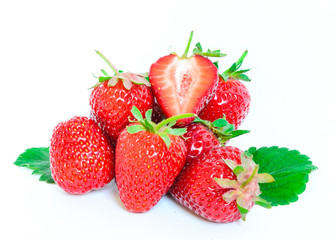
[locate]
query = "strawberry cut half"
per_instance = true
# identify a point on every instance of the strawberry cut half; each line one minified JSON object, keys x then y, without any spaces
{"x":183,"y":84}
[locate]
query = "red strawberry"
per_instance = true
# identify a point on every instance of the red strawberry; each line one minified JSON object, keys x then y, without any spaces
{"x":112,"y":99}
{"x":217,"y":188}
{"x":184,"y":84}
{"x":201,"y":136}
{"x":81,"y":157}
{"x":148,"y":159}
{"x":231,"y":98}
{"x":157,"y":115}
{"x":199,"y":139}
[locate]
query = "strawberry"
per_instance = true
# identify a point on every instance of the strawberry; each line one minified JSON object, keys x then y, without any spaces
{"x":231,"y":98}
{"x":184,"y":84}
{"x":202,"y":135}
{"x":81,"y":158}
{"x":157,"y":114}
{"x":211,"y":188}
{"x":224,"y":184}
{"x":112,"y":99}
{"x":149,"y":157}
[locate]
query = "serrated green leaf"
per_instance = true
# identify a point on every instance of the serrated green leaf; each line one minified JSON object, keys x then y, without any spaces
{"x":135,"y":128}
{"x":290,"y":170}
{"x":216,"y":64}
{"x":38,"y":160}
{"x":176,"y":131}
{"x":165,"y":138}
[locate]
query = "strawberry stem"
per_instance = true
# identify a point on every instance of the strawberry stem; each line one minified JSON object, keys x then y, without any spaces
{"x":185,"y":54}
{"x":173,"y":118}
{"x":115,"y":70}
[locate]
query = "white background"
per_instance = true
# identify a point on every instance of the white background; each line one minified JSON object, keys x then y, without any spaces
{"x":46,"y":60}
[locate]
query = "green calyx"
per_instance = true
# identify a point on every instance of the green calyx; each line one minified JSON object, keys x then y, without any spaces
{"x":163,"y":129}
{"x":268,"y":176}
{"x":222,"y":129}
{"x":127,"y":78}
{"x":199,"y":51}
{"x":245,"y":190}
{"x":234,"y":73}
{"x":38,"y":160}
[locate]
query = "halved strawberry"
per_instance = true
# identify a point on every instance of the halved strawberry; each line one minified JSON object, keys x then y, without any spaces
{"x":184,"y":84}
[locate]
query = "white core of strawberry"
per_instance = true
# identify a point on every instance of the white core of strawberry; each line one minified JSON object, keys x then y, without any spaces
{"x":182,"y":73}
{"x":245,"y":190}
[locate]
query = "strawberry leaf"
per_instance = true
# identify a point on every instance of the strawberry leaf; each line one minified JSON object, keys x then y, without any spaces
{"x":290,"y":170}
{"x":36,"y":159}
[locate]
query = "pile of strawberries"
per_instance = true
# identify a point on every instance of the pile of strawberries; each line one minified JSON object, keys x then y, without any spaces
{"x":162,"y":132}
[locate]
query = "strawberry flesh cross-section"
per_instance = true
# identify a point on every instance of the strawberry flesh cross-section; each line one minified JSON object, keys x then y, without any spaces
{"x":183,"y":85}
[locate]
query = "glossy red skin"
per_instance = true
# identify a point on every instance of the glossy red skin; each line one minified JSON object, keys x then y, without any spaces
{"x":232,"y":99}
{"x":196,"y":188}
{"x":209,"y":76}
{"x":111,"y":106}
{"x":199,"y":140}
{"x":146,"y":168}
{"x":81,"y":158}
